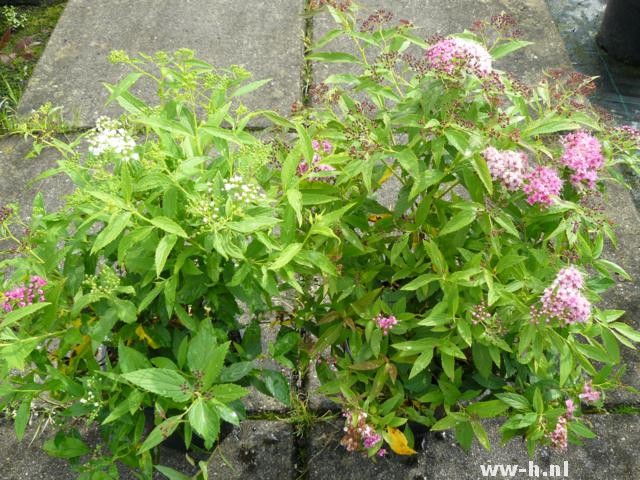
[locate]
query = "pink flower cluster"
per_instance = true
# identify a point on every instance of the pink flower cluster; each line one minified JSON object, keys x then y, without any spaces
{"x":541,"y":185}
{"x":563,"y":299}
{"x":589,"y":395}
{"x":507,"y":167}
{"x":450,"y":54}
{"x":25,"y":294}
{"x":317,"y":166}
{"x":559,"y":435}
{"x":359,"y":433}
{"x":583,"y":155}
{"x":386,"y":323}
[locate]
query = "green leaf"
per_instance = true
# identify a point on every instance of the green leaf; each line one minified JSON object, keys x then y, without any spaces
{"x":504,"y":49}
{"x":235,"y":372}
{"x":458,"y":221}
{"x":160,"y":433}
{"x":130,"y":360}
{"x":228,"y":392}
{"x":277,"y":386}
{"x":482,"y":170}
{"x":445,"y":423}
{"x":448,"y":365}
{"x":626,"y":330}
{"x":22,"y":418}
{"x":162,"y":381}
{"x":62,"y":446}
{"x":252,"y":224}
{"x":506,"y":223}
{"x":422,"y":362}
{"x":215,"y":364}
{"x":169,"y":226}
{"x":286,"y":256}
{"x":487,"y":409}
{"x":123,"y":85}
{"x":421,"y":281}
{"x":18,"y":314}
{"x":249,"y":87}
{"x":171,"y":474}
{"x":294,"y":197}
{"x":581,"y":430}
{"x":333,"y":57}
{"x":481,"y":434}
{"x":566,"y":364}
{"x":117,"y":223}
{"x":226,"y":413}
{"x":204,"y":419}
{"x":518,"y":402}
{"x":163,"y":250}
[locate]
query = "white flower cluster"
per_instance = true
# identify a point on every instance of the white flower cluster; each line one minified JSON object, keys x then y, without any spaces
{"x":240,"y":191}
{"x":110,"y":137}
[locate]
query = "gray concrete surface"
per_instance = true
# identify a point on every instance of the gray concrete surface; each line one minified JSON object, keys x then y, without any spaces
{"x":611,"y":456}
{"x":18,"y":172}
{"x":265,"y":37}
{"x":446,"y":17}
{"x":257,"y":449}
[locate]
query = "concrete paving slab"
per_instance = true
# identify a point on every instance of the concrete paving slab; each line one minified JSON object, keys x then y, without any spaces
{"x":257,"y":449}
{"x":445,"y":17}
{"x":264,"y":37}
{"x":26,"y":460}
{"x":17,"y":172}
{"x":612,"y":455}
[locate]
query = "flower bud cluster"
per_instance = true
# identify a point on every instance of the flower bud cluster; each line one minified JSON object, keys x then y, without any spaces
{"x":358,"y":434}
{"x":320,"y":149}
{"x":386,"y":323}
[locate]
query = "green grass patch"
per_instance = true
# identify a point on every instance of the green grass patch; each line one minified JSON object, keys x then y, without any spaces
{"x":39,"y":25}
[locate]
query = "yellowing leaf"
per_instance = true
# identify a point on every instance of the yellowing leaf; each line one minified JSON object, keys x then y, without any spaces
{"x":385,"y":176}
{"x":398,"y":442}
{"x":142,"y":335}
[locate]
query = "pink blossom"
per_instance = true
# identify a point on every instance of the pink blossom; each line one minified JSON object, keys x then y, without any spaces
{"x":25,"y":294}
{"x":563,"y":299}
{"x":589,"y":395}
{"x":386,"y":323}
{"x":358,"y":433}
{"x":583,"y":155}
{"x":507,"y":167}
{"x":452,"y":53}
{"x":541,"y":185}
{"x":571,"y":408}
{"x":559,"y":435}
{"x":382,"y":452}
{"x":316,"y":162}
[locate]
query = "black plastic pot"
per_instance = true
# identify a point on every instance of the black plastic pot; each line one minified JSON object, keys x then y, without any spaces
{"x":619,"y":33}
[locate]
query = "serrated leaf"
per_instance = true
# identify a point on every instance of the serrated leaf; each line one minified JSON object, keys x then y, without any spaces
{"x":504,"y":49}
{"x":204,"y":420}
{"x":116,"y":225}
{"x":19,"y":313}
{"x":422,"y":362}
{"x":286,"y":256}
{"x":163,"y":250}
{"x":160,"y":433}
{"x":168,"y":225}
{"x":252,"y":224}
{"x":162,"y":381}
{"x":421,"y":281}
